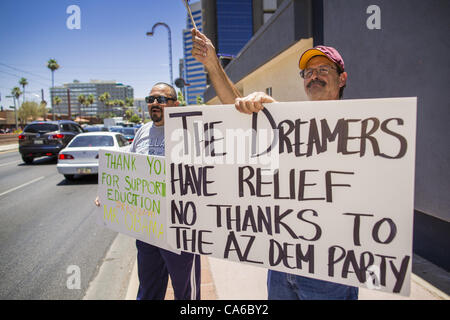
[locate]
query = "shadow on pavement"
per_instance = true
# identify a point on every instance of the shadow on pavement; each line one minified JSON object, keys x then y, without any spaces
{"x":41,"y":162}
{"x":80,"y":180}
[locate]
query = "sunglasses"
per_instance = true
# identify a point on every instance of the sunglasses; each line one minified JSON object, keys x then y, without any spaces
{"x":160,"y":99}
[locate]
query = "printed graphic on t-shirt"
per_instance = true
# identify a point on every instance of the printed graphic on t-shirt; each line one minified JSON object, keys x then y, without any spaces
{"x":156,"y":146}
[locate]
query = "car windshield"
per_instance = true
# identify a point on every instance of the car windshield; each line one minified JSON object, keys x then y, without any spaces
{"x":40,"y":127}
{"x":92,"y":141}
{"x":128,"y":131}
{"x":92,"y":128}
{"x":115,"y":129}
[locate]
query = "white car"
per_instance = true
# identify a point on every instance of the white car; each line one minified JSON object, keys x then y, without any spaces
{"x":80,"y":157}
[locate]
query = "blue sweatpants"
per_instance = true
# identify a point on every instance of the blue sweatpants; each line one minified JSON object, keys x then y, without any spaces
{"x":154,"y":266}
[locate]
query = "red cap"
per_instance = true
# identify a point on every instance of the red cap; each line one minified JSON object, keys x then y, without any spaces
{"x":329,"y":52}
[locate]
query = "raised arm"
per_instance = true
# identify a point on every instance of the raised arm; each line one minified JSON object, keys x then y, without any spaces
{"x":204,"y":52}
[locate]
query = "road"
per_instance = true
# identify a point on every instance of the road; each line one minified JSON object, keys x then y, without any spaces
{"x":48,"y":232}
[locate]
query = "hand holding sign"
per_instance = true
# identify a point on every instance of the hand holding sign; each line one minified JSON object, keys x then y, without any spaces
{"x":253,"y":102}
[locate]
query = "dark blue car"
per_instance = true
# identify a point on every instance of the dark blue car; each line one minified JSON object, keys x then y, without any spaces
{"x":46,"y":138}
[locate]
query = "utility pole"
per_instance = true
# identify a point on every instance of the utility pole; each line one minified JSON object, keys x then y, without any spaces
{"x":69,"y":112}
{"x":15,"y":109}
{"x":44,"y":103}
{"x":51,"y":98}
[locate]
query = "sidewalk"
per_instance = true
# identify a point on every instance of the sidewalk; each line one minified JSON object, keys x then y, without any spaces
{"x":226,"y":280}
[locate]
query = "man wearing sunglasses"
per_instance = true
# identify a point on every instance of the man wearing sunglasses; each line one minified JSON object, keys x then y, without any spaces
{"x":324,"y":78}
{"x":155,"y":264}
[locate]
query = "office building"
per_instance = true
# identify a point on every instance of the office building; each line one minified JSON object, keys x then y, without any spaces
{"x":117,"y":91}
{"x":231,"y":23}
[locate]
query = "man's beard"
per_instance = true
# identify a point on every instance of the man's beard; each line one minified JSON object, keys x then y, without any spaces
{"x":154,"y":116}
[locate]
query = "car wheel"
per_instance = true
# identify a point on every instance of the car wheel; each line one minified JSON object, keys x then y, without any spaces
{"x":69,"y":177}
{"x":27,"y":160}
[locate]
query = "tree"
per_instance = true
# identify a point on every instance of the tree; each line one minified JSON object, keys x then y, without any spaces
{"x":199,"y":100}
{"x":129,"y":102}
{"x":81,"y":101}
{"x":117,"y":102}
{"x":90,"y":100}
{"x":128,"y":114}
{"x":16,"y":94}
{"x":121,"y":104}
{"x":28,"y":110}
{"x":42,"y":110}
{"x":53,"y":65}
{"x":56,"y":101}
{"x":135,"y":118}
{"x":104,"y":98}
{"x":23,"y":82}
{"x":181,"y":98}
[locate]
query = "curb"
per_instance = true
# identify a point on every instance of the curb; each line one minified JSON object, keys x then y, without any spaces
{"x":113,"y":276}
{"x":134,"y":284}
{"x":440,"y":295}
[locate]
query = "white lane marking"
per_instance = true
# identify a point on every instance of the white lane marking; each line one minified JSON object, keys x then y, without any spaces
{"x":8,"y":163}
{"x":21,"y":186}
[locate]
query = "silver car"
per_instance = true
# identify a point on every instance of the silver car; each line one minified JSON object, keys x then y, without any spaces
{"x":80,"y":157}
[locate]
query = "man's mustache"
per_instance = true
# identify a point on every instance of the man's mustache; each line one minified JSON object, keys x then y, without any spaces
{"x":157,"y":108}
{"x":318,"y":81}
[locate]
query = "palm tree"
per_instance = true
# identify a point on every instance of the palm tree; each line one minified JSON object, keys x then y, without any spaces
{"x":81,"y":101}
{"x":181,"y":98}
{"x":16,"y":94}
{"x":121,"y":104}
{"x":129,"y":102}
{"x":90,"y":100}
{"x":56,"y":101}
{"x":53,"y":65}
{"x":23,"y":82}
{"x":104,"y":97}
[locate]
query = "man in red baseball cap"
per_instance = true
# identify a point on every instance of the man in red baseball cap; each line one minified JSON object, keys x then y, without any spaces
{"x":323,"y":71}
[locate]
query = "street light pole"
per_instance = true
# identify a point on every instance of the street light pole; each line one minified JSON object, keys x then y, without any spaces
{"x":15,"y":109}
{"x":170,"y":45}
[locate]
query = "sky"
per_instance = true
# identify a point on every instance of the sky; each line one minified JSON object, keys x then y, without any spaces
{"x":110,"y":44}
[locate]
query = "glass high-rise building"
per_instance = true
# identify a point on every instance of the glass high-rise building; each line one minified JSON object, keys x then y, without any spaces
{"x":194,"y":72}
{"x":234,"y":20}
{"x":230,"y":24}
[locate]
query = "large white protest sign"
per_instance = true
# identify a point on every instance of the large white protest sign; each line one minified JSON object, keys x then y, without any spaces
{"x":319,"y":189}
{"x":132,"y":190}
